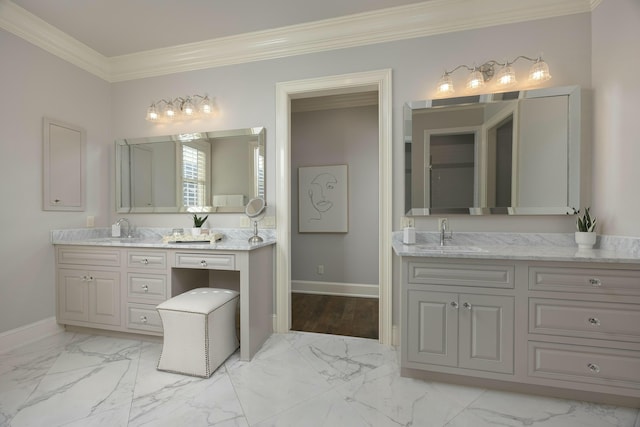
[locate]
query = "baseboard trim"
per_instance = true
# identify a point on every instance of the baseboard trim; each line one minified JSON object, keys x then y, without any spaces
{"x":335,"y":288}
{"x":26,"y":334}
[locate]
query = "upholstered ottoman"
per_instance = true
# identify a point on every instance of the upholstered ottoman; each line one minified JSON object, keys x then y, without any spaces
{"x":199,"y":331}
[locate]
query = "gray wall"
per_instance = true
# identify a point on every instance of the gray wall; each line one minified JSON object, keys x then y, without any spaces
{"x":337,"y":137}
{"x":35,"y":83}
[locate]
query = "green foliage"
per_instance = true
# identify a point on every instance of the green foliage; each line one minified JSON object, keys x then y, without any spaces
{"x":586,"y":223}
{"x":198,"y":221}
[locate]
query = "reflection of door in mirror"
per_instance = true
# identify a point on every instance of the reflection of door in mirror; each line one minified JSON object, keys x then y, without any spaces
{"x":499,"y":164}
{"x":451,"y":169}
{"x":142,"y":179}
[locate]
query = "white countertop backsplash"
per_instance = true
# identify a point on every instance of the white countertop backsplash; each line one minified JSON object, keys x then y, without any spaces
{"x":234,"y":239}
{"x":521,"y":246}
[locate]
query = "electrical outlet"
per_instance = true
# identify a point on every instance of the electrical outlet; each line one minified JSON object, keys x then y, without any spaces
{"x":407,"y":221}
{"x":320,"y":269}
{"x":269,"y":221}
{"x":245,"y":222}
{"x":442,"y":221}
{"x":90,"y":221}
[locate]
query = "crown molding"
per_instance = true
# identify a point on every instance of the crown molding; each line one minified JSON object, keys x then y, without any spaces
{"x":29,"y":27}
{"x":385,"y":25}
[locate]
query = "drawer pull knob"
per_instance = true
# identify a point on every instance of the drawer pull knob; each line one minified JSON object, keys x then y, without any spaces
{"x":144,"y":261}
{"x":594,"y":321}
{"x":145,"y":288}
{"x":595,"y":282}
{"x":454,"y":304}
{"x":467,"y":305}
{"x":593,"y":367}
{"x":143,"y":319}
{"x":203,"y":263}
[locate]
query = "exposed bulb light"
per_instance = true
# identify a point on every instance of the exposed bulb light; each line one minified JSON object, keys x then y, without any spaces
{"x":480,"y":75}
{"x":187,"y":108}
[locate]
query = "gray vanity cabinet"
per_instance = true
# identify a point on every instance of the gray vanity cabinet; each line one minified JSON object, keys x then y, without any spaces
{"x":88,"y":287}
{"x":460,"y":330}
{"x":457,"y":316}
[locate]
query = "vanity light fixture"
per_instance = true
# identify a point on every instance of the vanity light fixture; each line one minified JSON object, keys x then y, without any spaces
{"x":187,"y":108}
{"x":505,"y":77}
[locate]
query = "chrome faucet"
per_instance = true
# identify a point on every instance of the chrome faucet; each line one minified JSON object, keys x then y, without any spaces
{"x":120,"y":221}
{"x":443,"y":232}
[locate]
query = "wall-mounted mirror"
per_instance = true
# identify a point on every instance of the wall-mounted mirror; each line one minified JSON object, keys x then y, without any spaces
{"x":508,"y":153}
{"x":212,"y":172}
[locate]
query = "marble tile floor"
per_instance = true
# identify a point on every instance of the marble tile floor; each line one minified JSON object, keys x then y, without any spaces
{"x":297,"y":379}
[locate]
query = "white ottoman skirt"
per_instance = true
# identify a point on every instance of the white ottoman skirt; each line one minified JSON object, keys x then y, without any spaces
{"x":199,"y":331}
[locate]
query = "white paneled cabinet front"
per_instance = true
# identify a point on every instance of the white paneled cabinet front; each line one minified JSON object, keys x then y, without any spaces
{"x":90,"y":296}
{"x":460,"y":330}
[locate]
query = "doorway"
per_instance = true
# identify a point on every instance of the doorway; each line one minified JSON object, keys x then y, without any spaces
{"x":379,"y":81}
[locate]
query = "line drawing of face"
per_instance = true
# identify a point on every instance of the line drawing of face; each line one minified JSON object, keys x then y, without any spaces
{"x":320,"y":193}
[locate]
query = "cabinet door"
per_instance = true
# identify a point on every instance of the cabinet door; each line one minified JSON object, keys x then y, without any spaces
{"x":73,"y":291}
{"x":63,"y":167}
{"x":432,"y":327}
{"x":486,"y":333}
{"x":104,"y":297}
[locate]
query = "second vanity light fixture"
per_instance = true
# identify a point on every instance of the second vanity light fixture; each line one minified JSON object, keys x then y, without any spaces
{"x":187,"y":108}
{"x":505,"y":77}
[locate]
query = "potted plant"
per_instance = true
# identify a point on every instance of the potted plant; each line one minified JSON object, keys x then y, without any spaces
{"x":586,"y":225}
{"x":198,"y":222}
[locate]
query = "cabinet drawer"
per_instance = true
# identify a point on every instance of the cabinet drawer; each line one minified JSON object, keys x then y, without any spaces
{"x":80,"y":255}
{"x":585,"y":319}
{"x":206,"y":261}
{"x":592,"y":280}
{"x":148,"y":286}
{"x":152,"y":260}
{"x":143,"y":317}
{"x":458,"y":274}
{"x":585,"y":364}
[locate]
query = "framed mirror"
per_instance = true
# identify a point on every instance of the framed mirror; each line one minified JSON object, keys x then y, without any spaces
{"x":207,"y":172}
{"x":508,"y":153}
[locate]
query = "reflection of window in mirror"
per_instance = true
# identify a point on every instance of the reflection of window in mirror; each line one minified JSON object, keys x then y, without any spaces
{"x":195,"y":158}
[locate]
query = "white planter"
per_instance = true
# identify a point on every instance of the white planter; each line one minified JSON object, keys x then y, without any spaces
{"x":585,"y":240}
{"x":195,"y":231}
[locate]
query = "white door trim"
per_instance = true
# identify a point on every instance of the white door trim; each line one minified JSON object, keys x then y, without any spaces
{"x":379,"y":80}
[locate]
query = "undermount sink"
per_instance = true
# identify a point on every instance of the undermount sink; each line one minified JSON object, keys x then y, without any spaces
{"x":449,"y":248}
{"x":119,"y":239}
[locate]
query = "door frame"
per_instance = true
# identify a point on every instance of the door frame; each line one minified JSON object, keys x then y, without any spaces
{"x":380,"y":81}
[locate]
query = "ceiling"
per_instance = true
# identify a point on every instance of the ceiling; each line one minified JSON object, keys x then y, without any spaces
{"x":119,"y":40}
{"x":118,"y":27}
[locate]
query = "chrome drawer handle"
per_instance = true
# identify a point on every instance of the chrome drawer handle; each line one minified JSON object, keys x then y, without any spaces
{"x":144,"y":261}
{"x":593,"y":367}
{"x":143,"y":319}
{"x":145,"y":288}
{"x":594,"y":321}
{"x":595,"y":282}
{"x":467,"y":305}
{"x":203,"y":263}
{"x":454,"y":304}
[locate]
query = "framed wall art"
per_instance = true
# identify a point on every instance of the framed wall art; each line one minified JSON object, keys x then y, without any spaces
{"x":323,"y":199}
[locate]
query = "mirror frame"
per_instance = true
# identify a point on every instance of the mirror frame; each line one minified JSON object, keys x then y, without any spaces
{"x":576,"y":161}
{"x":259,"y":132}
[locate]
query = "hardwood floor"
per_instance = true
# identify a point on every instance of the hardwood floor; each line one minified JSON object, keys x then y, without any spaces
{"x":336,"y":315}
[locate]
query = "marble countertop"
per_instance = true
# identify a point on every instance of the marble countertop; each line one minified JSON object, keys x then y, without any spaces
{"x":232,"y":240}
{"x":518,"y":246}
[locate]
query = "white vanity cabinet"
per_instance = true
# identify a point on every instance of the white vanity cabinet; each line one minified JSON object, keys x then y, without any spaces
{"x":470,"y":328}
{"x":147,"y":286}
{"x":88,"y":287}
{"x":564,"y":328}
